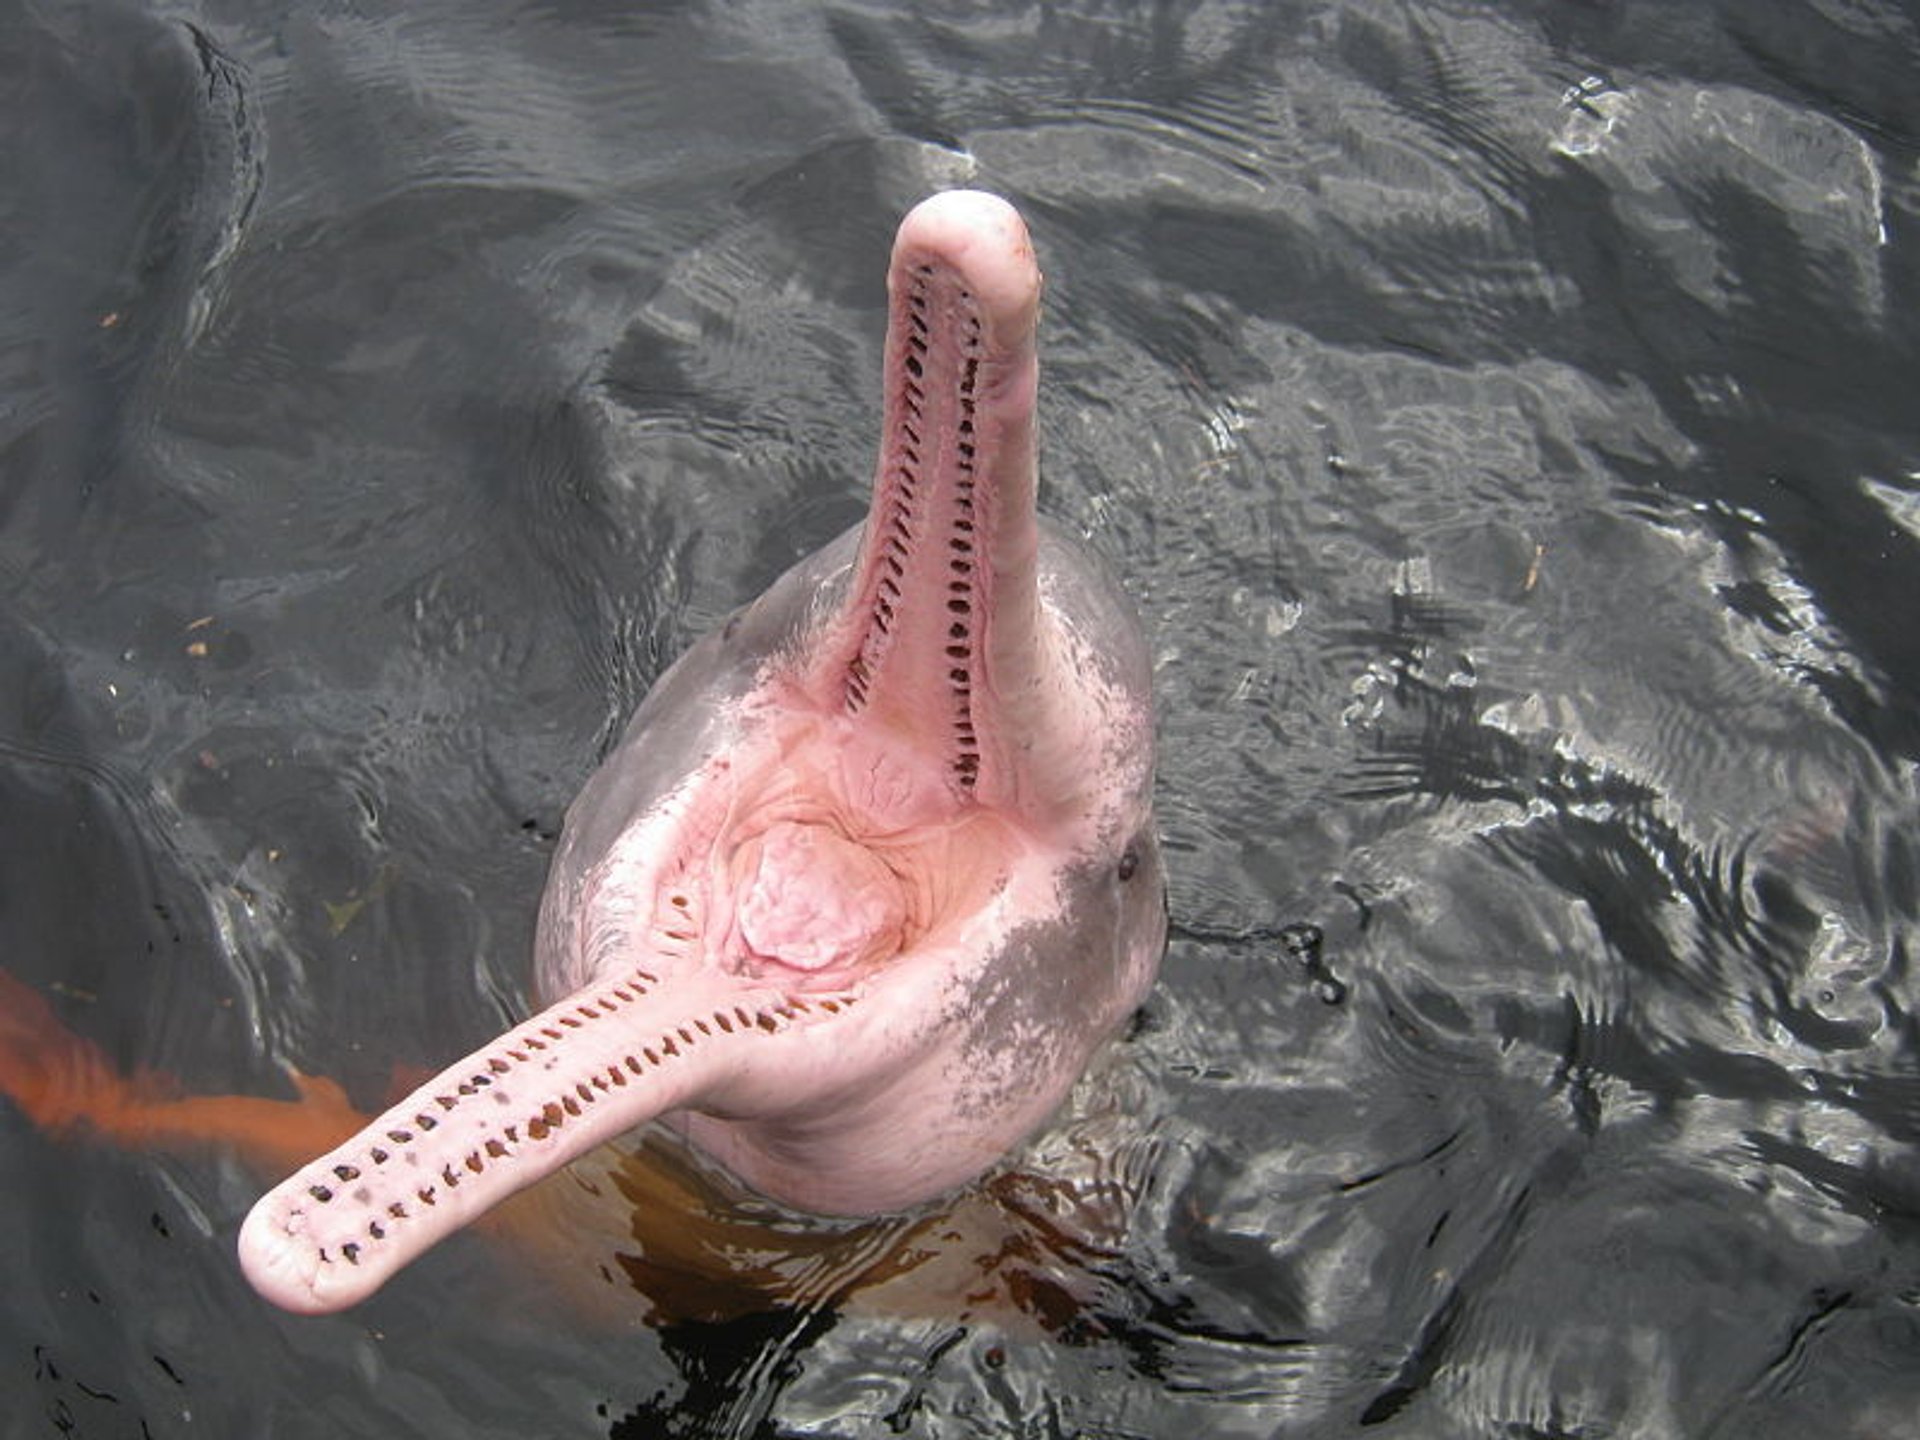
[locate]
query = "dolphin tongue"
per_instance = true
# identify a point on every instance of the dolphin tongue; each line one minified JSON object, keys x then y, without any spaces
{"x":813,"y":898}
{"x":582,"y":1072}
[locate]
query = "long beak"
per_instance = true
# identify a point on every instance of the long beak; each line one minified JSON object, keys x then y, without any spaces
{"x":585,"y":1071}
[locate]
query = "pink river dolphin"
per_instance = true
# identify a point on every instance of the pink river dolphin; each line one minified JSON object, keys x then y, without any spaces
{"x":872,"y":873}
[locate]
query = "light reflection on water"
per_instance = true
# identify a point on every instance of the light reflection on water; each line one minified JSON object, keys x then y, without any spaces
{"x":1503,"y":420}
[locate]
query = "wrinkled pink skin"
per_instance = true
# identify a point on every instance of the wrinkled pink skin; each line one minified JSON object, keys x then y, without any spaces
{"x":872,"y":873}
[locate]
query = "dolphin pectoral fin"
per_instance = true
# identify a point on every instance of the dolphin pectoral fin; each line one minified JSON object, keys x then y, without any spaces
{"x":583,"y":1072}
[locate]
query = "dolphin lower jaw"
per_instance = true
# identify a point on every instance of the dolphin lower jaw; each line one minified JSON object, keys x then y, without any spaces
{"x":578,"y":1074}
{"x":699,"y":922}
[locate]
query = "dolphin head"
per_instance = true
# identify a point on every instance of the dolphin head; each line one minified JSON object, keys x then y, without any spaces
{"x":872,"y":872}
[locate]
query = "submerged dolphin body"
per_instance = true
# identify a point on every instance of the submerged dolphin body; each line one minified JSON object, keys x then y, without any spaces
{"x":872,"y":873}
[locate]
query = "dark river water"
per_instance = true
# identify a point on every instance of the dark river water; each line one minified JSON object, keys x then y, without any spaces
{"x":1506,"y":418}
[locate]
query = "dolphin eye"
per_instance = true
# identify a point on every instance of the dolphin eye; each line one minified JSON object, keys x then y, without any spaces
{"x":1129,"y":862}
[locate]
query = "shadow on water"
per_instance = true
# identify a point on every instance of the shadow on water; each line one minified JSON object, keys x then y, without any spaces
{"x":1502,"y":415}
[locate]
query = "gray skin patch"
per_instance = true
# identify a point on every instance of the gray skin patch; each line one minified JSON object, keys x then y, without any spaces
{"x":1046,"y":1000}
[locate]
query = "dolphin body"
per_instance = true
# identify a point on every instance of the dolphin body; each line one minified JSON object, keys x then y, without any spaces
{"x":869,"y":878}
